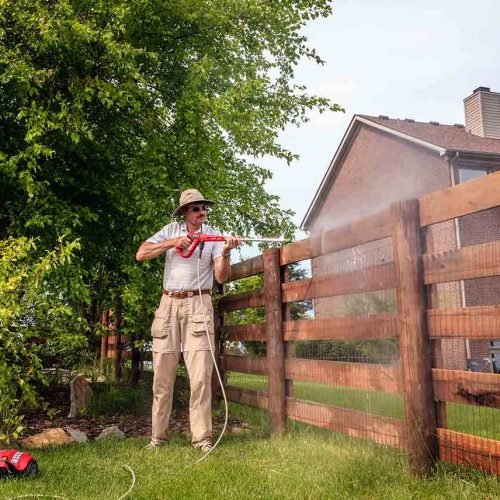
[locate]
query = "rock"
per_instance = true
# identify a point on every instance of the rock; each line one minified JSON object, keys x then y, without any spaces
{"x":112,"y":432}
{"x":237,"y":430}
{"x":49,"y":437}
{"x":76,"y":435}
{"x":81,"y":393}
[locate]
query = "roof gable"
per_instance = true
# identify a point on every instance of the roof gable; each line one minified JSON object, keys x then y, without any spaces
{"x":441,"y":139}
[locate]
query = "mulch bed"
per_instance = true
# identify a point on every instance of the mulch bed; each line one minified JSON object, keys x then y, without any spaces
{"x":58,"y":398}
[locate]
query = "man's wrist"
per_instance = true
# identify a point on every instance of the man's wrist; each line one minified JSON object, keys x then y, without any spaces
{"x":227,"y":254}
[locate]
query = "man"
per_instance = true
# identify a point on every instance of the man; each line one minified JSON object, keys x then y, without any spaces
{"x":179,"y":322}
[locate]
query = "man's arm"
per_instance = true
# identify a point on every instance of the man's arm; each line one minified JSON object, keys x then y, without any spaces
{"x":148,"y":250}
{"x":223,"y":263}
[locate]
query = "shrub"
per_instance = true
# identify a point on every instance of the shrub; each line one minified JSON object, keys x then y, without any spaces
{"x":31,"y":307}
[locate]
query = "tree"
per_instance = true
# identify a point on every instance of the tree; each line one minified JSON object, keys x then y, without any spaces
{"x":108,"y":110}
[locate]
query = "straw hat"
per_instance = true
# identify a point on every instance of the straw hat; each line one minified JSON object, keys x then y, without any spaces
{"x":187,"y":197}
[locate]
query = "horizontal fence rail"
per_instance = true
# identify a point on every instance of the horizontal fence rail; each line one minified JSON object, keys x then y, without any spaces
{"x":244,"y":364}
{"x":381,"y":430}
{"x":248,"y":332}
{"x":249,"y":397}
{"x":481,"y":322}
{"x":480,"y":389}
{"x":368,"y":327}
{"x":357,"y":233}
{"x":476,"y":261}
{"x":247,"y":268}
{"x":380,"y":277}
{"x":242,"y":301}
{"x":371,"y":377}
{"x":467,"y":198}
{"x":464,"y":449}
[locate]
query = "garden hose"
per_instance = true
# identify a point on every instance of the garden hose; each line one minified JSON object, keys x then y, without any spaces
{"x":213,"y":357}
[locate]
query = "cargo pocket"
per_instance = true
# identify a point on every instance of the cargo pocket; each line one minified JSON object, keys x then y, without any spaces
{"x":161,"y":326}
{"x":198,"y":324}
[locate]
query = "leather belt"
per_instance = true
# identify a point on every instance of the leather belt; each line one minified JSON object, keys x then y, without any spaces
{"x":184,"y":294}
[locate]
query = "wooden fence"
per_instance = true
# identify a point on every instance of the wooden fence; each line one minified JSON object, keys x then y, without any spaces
{"x":418,"y":376}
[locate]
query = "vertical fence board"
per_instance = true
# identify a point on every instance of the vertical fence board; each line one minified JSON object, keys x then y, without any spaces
{"x":218,"y":346}
{"x":287,"y":316}
{"x":414,"y":339}
{"x":275,"y":344}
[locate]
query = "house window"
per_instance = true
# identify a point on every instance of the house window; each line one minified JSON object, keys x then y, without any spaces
{"x":467,"y":174}
{"x":495,"y":355}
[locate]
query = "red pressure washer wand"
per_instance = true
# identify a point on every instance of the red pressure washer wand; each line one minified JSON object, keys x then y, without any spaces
{"x":202,"y":238}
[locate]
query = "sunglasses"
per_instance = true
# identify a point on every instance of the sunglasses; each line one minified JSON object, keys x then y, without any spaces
{"x":195,"y":209}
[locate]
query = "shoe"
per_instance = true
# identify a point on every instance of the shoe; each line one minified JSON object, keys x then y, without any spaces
{"x":205,"y":447}
{"x":152,"y":446}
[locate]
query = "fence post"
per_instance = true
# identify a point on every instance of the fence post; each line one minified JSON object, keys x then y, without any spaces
{"x":218,"y":345}
{"x":414,"y":338}
{"x":275,"y":344}
{"x":104,"y":338}
{"x":286,"y":312}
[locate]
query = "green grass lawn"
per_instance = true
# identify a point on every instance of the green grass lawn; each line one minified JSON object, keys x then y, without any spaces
{"x":480,"y":421}
{"x":308,"y":463}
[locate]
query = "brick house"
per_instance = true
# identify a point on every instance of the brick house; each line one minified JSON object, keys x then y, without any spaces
{"x":382,"y":160}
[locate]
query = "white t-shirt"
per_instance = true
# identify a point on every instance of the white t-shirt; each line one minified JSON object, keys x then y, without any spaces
{"x":181,"y":273}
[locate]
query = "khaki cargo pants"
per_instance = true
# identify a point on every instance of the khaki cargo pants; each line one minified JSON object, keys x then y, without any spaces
{"x":178,"y":327}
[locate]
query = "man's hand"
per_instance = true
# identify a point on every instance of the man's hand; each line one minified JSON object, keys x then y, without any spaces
{"x":149,"y":250}
{"x":182,"y":242}
{"x":231,"y":242}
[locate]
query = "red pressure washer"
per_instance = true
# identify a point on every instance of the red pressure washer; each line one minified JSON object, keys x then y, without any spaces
{"x":202,"y":238}
{"x":14,"y":464}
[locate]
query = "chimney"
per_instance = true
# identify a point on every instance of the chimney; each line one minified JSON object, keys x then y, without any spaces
{"x":482,"y":113}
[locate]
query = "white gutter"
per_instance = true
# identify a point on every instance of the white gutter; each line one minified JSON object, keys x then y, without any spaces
{"x":420,"y":142}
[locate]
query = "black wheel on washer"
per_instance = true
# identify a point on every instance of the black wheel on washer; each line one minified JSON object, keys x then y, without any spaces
{"x":31,"y":470}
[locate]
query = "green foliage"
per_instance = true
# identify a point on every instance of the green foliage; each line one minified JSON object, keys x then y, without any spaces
{"x":113,"y":399}
{"x":31,"y":308}
{"x":108,"y":110}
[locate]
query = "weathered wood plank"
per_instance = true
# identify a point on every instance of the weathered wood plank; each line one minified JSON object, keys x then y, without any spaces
{"x":472,"y":196}
{"x":482,"y":322}
{"x":244,"y":364}
{"x":111,"y":354}
{"x":465,"y":449}
{"x":480,"y":389}
{"x":371,"y":228}
{"x":366,"y":280}
{"x":246,"y":268}
{"x":414,"y":338}
{"x":257,"y":399}
{"x":382,"y":430}
{"x":242,"y":301}
{"x":275,"y":344}
{"x":123,"y":339}
{"x":373,"y":326}
{"x":248,"y":332}
{"x":463,"y":263}
{"x":300,"y":250}
{"x":371,"y":377}
{"x":356,"y":233}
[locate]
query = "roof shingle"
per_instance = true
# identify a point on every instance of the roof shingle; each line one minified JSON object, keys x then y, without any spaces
{"x":450,"y":137}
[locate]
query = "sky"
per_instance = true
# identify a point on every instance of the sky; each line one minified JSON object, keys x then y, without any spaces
{"x":405,"y":59}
